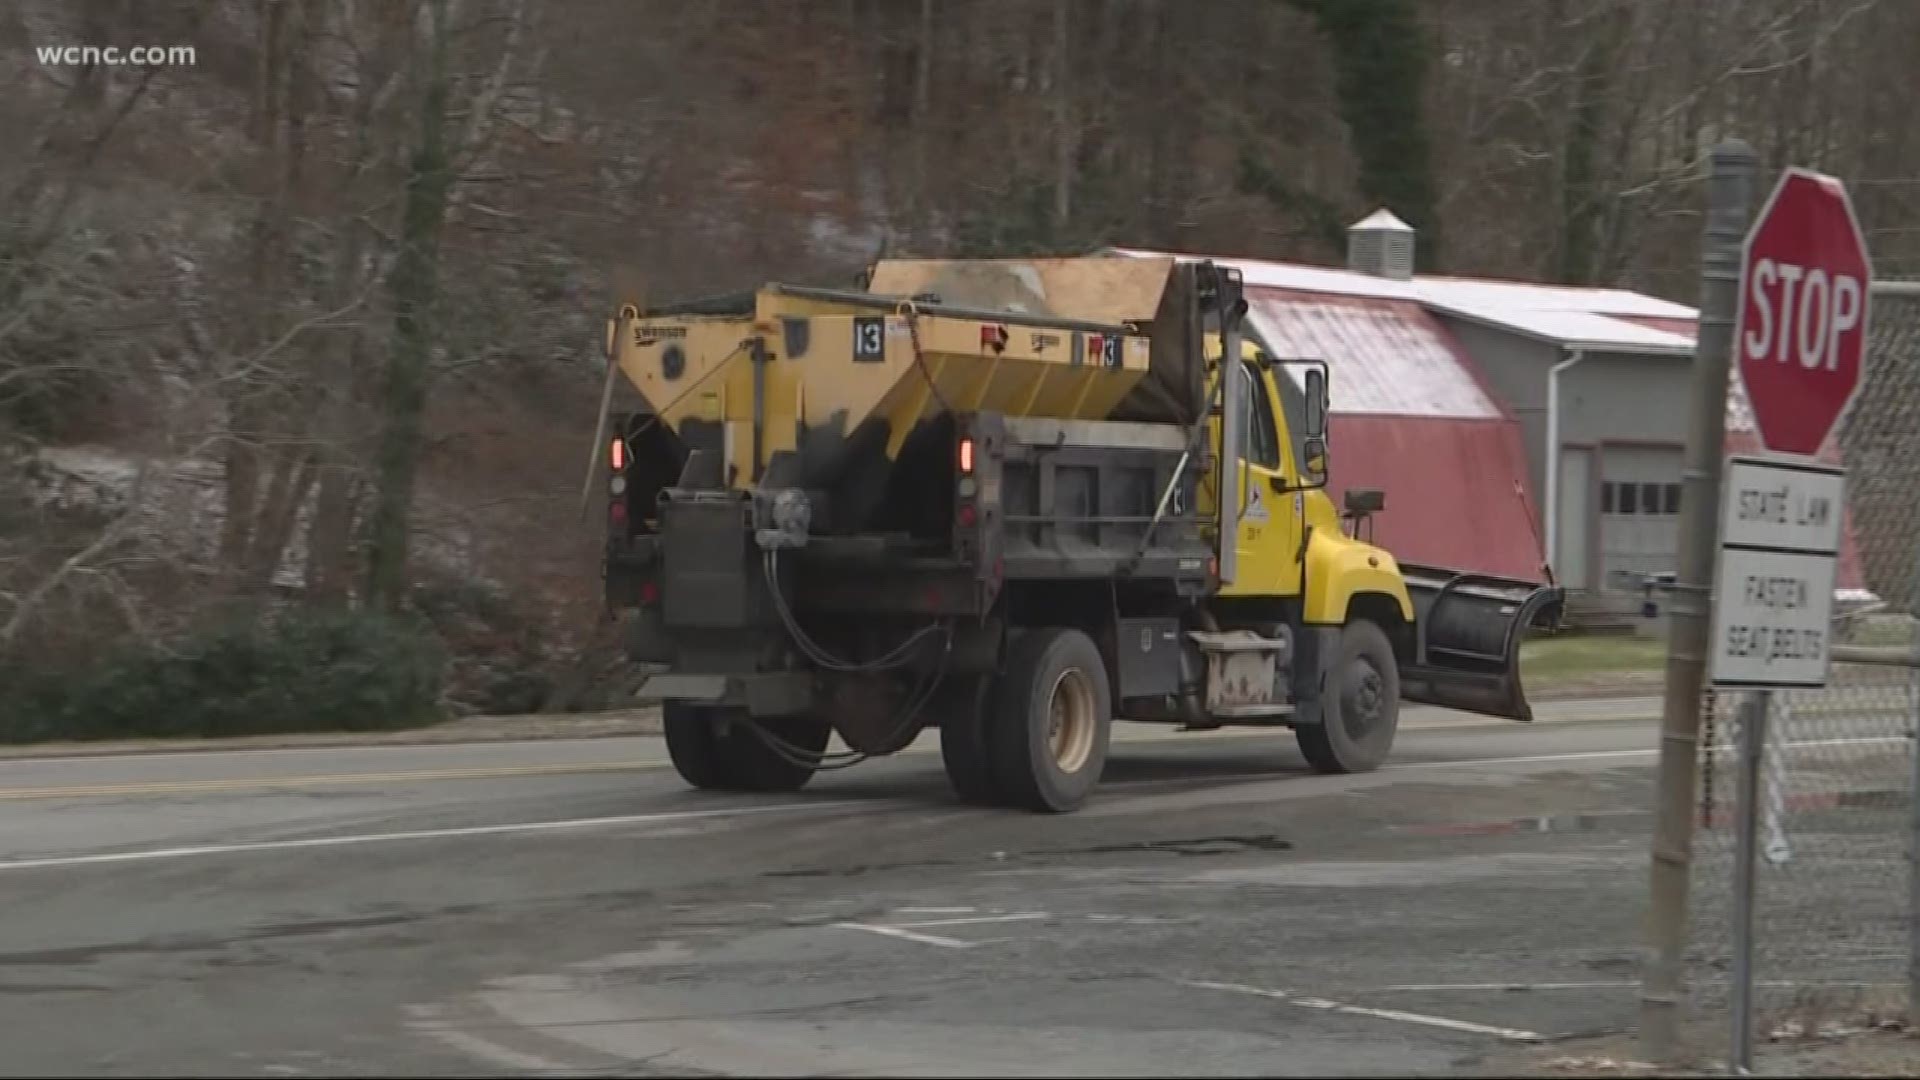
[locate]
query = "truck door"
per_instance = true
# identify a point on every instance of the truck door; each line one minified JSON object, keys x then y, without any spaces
{"x":1269,"y":537}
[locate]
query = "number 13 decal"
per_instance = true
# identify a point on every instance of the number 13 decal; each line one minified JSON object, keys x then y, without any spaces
{"x":869,"y":339}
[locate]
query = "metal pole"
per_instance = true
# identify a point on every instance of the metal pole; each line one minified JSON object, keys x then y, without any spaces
{"x":1913,"y":831}
{"x":1729,"y":197}
{"x":1552,"y":478}
{"x":1230,"y":488}
{"x":1753,"y":742}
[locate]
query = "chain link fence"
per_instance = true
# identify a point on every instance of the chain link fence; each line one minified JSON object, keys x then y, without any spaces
{"x":1835,"y":922}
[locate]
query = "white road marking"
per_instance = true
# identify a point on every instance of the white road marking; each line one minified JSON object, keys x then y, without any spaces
{"x":907,"y":935}
{"x":488,"y":1050}
{"x":155,"y":854}
{"x":1577,"y":755}
{"x":971,"y":920}
{"x":1441,"y":988}
{"x":1878,"y":740}
{"x":429,"y":1019}
{"x":934,"y":910}
{"x":1324,"y":1005}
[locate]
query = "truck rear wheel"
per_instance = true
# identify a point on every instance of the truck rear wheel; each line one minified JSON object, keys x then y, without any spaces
{"x":1361,"y":711}
{"x":778,"y":755}
{"x":1051,"y":720}
{"x":693,"y":742}
{"x":963,"y":712}
{"x":738,"y":758}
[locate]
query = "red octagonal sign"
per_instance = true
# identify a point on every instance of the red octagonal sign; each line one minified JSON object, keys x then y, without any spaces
{"x":1801,"y":338}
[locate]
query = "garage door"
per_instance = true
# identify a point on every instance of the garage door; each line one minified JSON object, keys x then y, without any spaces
{"x":1639,"y":512}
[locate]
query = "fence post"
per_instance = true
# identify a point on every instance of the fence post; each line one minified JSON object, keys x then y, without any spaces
{"x":1753,"y":748}
{"x":1913,"y":811}
{"x":1729,"y":196}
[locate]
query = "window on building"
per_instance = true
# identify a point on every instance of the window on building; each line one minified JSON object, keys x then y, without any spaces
{"x":1606,"y":496}
{"x":1628,"y":499}
{"x":1673,"y":498}
{"x":1649,"y":498}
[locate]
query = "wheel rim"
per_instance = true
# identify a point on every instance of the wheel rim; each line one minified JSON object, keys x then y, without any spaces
{"x":1363,"y":700}
{"x":1070,"y":720}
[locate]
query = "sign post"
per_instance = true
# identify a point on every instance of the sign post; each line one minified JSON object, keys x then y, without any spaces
{"x":1779,"y":542}
{"x":1800,"y":340}
{"x":1729,"y":197}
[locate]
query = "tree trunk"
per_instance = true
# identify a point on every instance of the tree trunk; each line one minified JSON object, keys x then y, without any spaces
{"x":288,"y":491}
{"x":1380,"y":61}
{"x":254,"y":410}
{"x":1580,"y":189}
{"x":414,"y":287}
{"x":241,"y":475}
{"x":330,"y":533}
{"x":341,"y":360}
{"x":919,"y":121}
{"x":1064,"y":142}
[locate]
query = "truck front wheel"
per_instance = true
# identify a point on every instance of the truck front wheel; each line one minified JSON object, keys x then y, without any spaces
{"x":1361,"y":710}
{"x":1052,"y":720}
{"x":724,"y":753}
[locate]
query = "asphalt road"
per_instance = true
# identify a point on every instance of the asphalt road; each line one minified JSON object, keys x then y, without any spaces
{"x":569,"y":908}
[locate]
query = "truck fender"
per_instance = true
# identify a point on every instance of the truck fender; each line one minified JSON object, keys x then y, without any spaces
{"x":1340,"y":571}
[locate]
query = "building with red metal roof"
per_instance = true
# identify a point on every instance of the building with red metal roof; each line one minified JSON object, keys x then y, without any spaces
{"x":1475,"y":404}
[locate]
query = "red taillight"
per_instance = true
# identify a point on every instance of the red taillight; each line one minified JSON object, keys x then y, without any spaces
{"x":966,"y":456}
{"x":649,"y":592}
{"x":967,"y":515}
{"x":617,"y":454}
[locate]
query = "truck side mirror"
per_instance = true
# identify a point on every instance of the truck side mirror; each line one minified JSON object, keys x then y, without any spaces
{"x":1313,"y":468}
{"x":1364,"y":501}
{"x":1316,"y":418}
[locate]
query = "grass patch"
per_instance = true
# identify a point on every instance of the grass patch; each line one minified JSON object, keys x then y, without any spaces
{"x":1878,"y":631}
{"x":1579,"y":658}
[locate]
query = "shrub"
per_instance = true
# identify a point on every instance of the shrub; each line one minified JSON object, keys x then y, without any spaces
{"x":300,"y":670}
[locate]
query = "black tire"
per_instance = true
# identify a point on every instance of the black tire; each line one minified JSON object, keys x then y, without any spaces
{"x":1361,"y":712}
{"x":740,"y":759}
{"x":1044,"y":760}
{"x":962,"y":710}
{"x":693,"y":742}
{"x":759,"y":763}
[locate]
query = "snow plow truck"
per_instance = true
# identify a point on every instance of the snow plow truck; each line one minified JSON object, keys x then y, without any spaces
{"x":1013,"y":501}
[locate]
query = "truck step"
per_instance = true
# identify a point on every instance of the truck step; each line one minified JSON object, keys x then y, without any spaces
{"x":1262,"y":711}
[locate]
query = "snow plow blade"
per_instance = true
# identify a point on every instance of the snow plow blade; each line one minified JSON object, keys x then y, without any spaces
{"x":1466,"y":638}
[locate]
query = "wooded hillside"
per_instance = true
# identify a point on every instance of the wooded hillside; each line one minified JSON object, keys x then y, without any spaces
{"x":316,"y":317}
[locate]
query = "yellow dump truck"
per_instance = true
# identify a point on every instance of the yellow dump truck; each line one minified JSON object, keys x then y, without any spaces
{"x":986,"y":497}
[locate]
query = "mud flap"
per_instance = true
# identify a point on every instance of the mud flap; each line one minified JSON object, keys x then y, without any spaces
{"x":1466,"y":638}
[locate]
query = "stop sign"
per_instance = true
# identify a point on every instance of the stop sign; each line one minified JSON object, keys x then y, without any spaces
{"x":1801,"y":336}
